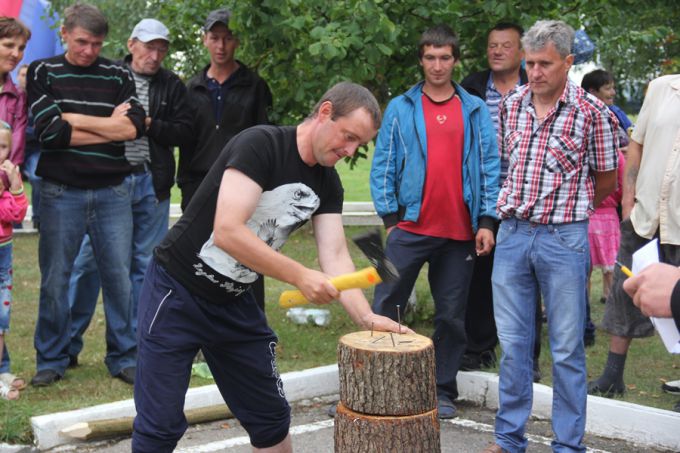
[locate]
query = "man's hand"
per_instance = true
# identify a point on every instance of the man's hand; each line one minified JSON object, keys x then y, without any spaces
{"x":484,"y":241}
{"x":651,"y":289}
{"x":121,"y":109}
{"x":383,"y":323}
{"x":316,"y":287}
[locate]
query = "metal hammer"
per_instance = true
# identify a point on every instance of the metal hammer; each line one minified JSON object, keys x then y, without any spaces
{"x":382,"y":269}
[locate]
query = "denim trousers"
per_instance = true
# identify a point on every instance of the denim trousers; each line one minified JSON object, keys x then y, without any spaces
{"x":67,"y":215}
{"x":551,"y":259}
{"x":449,"y":274}
{"x":30,"y":165}
{"x":150,"y":224}
{"x":5,"y":300}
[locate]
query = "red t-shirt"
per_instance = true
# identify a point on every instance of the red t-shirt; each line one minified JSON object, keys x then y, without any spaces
{"x":443,"y":212}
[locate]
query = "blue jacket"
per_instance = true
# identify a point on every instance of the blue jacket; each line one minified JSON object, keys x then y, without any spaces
{"x":400,"y":160}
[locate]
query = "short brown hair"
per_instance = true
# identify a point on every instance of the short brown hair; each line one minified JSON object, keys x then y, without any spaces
{"x":11,"y":27}
{"x":86,"y":16}
{"x":346,"y":97}
{"x":439,"y":36}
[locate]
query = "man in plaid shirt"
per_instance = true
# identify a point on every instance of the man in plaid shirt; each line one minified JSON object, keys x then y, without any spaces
{"x":561,"y":146}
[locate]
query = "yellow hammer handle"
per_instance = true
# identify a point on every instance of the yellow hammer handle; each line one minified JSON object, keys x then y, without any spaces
{"x":364,"y":278}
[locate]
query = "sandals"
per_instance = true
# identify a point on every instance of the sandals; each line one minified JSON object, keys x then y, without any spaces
{"x":13,"y":382}
{"x":8,"y":393}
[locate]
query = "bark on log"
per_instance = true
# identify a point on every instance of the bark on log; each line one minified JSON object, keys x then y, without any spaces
{"x":115,"y":427}
{"x":382,"y":377}
{"x":357,"y":433}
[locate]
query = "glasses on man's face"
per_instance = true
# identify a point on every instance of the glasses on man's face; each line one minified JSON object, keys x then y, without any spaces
{"x":156,"y":48}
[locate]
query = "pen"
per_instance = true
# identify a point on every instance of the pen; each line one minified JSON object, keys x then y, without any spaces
{"x":625,"y":269}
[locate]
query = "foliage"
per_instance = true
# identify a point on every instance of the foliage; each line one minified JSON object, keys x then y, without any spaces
{"x":301,"y":47}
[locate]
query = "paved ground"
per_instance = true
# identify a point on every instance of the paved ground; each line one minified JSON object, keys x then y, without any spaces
{"x":312,"y":432}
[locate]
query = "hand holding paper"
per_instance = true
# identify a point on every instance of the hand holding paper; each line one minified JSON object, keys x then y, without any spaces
{"x":644,"y":257}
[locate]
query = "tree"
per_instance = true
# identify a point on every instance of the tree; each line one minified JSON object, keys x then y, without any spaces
{"x":301,"y":47}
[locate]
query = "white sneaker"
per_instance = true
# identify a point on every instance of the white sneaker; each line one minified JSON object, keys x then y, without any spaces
{"x":672,"y":387}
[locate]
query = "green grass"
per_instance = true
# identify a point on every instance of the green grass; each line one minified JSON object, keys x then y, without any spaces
{"x":300,"y":347}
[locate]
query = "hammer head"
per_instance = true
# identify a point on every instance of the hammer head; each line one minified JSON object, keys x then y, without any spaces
{"x":370,"y":244}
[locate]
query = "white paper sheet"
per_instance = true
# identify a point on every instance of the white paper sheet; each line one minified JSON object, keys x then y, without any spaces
{"x":668,"y":331}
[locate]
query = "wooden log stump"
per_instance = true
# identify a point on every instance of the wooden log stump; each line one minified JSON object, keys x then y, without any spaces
{"x":383,"y":374}
{"x":358,"y":433}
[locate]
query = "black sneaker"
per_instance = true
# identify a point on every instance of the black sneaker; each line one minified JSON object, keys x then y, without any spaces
{"x":597,"y":389}
{"x":537,"y":372}
{"x":488,"y":358}
{"x":471,"y":362}
{"x":72,"y":361}
{"x":43,"y":378}
{"x":127,"y":375}
{"x":672,"y":387}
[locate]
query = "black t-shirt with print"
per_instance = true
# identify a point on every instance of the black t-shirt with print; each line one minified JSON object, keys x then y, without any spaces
{"x":292,"y":193}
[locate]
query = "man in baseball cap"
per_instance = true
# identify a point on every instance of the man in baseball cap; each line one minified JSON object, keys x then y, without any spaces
{"x":218,"y":16}
{"x":167,"y":124}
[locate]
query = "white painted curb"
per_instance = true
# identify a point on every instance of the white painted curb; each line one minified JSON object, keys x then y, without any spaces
{"x":641,"y":425}
{"x":298,"y":385}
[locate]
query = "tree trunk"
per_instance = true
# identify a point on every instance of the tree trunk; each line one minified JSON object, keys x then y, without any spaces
{"x":357,"y":433}
{"x":383,"y":374}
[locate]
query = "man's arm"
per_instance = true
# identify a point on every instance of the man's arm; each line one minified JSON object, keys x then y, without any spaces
{"x":334,"y":259}
{"x":489,"y":167}
{"x":237,"y":199}
{"x":633,"y":159}
{"x":115,"y":128}
{"x":174,"y":128}
{"x":383,"y":176}
{"x":605,"y":183}
{"x":50,"y":129}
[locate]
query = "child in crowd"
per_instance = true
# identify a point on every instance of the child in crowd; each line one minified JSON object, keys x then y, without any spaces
{"x":603,"y":230}
{"x":13,"y":206}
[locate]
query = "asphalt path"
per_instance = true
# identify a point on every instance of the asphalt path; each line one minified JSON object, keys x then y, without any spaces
{"x":312,"y":432}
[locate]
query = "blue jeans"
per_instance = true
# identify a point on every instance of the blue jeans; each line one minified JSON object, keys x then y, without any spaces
{"x":450,"y":271}
{"x":551,"y":259}
{"x":67,"y":215}
{"x":150,"y":224}
{"x":5,"y":300}
{"x":30,"y":164}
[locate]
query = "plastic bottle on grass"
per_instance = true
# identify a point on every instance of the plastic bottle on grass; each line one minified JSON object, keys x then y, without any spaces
{"x":316,"y":316}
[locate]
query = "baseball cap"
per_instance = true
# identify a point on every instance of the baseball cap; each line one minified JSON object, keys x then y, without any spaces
{"x":149,"y":29}
{"x":217,"y":16}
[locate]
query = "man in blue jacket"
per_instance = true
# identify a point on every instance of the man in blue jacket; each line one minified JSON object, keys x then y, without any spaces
{"x":434,"y":182}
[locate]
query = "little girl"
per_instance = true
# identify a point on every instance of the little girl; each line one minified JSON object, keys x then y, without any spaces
{"x":13,"y":206}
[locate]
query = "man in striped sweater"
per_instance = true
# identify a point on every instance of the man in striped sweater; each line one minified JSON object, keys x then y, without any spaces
{"x":85,"y":108}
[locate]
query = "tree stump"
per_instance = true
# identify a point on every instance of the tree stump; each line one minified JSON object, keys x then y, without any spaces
{"x":388,"y":399}
{"x":378,"y":377}
{"x":357,"y":433}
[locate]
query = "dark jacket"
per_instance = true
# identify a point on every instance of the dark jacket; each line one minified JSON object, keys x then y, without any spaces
{"x":171,"y":122}
{"x":475,"y":83}
{"x":248,"y":102}
{"x":675,"y":304}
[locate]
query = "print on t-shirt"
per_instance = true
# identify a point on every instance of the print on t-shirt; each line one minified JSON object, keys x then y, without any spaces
{"x":279,"y":212}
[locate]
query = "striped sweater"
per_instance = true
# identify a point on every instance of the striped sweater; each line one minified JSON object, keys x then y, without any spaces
{"x":55,"y":87}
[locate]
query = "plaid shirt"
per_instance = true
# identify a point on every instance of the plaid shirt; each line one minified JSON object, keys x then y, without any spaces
{"x":550,"y":176}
